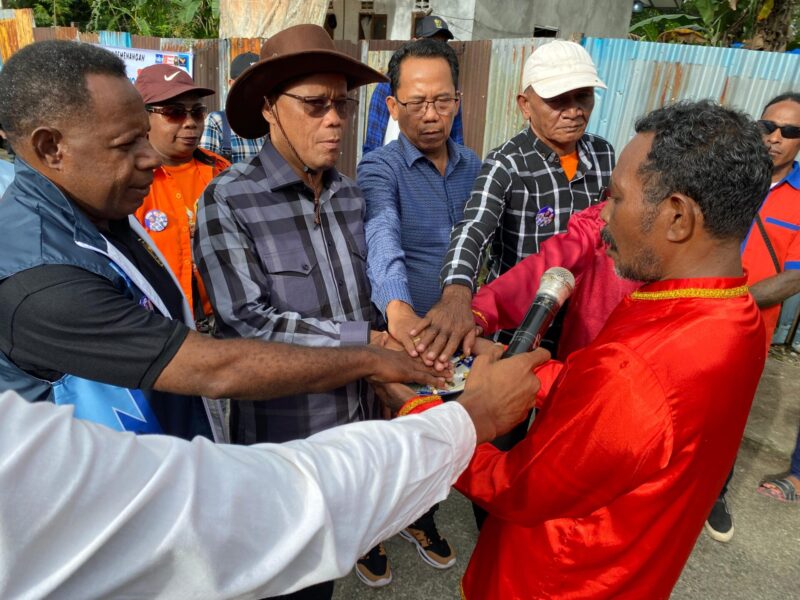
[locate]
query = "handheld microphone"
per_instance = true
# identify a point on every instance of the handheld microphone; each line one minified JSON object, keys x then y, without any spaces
{"x":555,"y":287}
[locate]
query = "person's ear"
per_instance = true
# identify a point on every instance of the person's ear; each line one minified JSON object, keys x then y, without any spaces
{"x":48,"y":146}
{"x":524,"y":107}
{"x":393,"y":106}
{"x":268,"y":112}
{"x":683,"y":216}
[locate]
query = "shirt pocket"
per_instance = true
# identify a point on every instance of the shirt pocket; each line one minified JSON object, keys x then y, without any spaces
{"x":293,"y":277}
{"x":357,"y":245}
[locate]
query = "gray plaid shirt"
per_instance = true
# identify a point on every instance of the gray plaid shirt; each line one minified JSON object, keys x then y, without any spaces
{"x":272,"y":274}
{"x":521,"y":198}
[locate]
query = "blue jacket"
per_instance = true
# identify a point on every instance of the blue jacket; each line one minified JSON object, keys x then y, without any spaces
{"x":40,"y":226}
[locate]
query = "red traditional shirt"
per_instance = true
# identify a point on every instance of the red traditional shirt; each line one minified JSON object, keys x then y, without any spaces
{"x":780,"y":214}
{"x":502,"y":303}
{"x":608,"y":492}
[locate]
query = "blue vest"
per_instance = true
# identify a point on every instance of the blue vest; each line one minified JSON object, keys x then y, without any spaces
{"x":39,"y":226}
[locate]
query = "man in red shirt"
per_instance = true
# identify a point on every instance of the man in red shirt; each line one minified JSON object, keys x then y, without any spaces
{"x":607,"y":493}
{"x":771,"y":251}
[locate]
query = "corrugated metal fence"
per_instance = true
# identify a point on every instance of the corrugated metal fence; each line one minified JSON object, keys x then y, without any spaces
{"x":640,"y":76}
{"x":644,"y":76}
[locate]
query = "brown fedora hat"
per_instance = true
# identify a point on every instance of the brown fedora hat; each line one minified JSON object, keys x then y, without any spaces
{"x":295,"y":52}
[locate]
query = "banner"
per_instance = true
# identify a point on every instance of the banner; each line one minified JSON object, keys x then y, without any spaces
{"x":137,"y":59}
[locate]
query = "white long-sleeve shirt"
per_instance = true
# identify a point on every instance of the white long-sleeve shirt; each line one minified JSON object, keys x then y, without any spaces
{"x":86,"y":512}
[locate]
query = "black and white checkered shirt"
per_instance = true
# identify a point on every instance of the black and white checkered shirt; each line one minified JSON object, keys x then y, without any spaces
{"x":272,"y":274}
{"x":521,"y":198}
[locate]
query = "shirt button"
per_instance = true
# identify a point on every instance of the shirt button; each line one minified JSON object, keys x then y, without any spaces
{"x":341,"y":282}
{"x":179,"y":196}
{"x":305,"y":267}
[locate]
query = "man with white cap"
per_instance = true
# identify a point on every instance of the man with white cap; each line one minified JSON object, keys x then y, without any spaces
{"x":526,"y":191}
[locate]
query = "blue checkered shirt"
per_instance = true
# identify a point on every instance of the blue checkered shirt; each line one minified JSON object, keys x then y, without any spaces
{"x":520,"y":181}
{"x":241,"y":148}
{"x":378,"y":118}
{"x":272,"y":274}
{"x":411,"y":209}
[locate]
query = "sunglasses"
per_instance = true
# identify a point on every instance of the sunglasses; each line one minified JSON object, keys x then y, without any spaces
{"x":175,"y":113}
{"x":318,"y":106}
{"x":790,"y":132}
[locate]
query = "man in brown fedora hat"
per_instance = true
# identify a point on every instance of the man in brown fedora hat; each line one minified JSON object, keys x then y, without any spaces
{"x":280,"y":240}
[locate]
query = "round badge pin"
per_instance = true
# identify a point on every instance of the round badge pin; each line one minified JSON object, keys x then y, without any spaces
{"x":156,"y":220}
{"x":545,"y":216}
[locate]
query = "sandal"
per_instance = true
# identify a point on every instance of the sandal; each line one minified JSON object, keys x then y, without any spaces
{"x":782,"y":490}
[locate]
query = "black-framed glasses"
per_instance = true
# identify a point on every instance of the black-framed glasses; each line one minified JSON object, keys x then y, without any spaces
{"x":443,"y":105}
{"x":318,"y":106}
{"x":790,"y":132}
{"x":175,"y":113}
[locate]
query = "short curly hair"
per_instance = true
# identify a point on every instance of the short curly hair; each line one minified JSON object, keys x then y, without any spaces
{"x":45,"y":83}
{"x":712,"y":154}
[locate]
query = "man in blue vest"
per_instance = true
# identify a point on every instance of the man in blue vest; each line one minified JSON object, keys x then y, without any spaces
{"x":90,"y":315}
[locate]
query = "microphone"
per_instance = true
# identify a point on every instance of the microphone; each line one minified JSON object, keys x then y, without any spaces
{"x":555,"y":287}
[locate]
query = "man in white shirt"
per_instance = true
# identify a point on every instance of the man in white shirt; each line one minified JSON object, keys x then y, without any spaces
{"x":163,"y":517}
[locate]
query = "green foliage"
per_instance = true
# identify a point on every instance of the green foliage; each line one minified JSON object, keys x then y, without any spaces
{"x":161,"y":18}
{"x":713,"y":22}
{"x":651,"y":27}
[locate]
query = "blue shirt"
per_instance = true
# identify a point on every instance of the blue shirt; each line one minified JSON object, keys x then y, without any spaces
{"x":378,"y":118}
{"x":411,"y":210}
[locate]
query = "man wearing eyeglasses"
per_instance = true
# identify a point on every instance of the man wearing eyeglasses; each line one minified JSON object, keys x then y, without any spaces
{"x":177,"y":113}
{"x":415,"y":188}
{"x":280,"y":237}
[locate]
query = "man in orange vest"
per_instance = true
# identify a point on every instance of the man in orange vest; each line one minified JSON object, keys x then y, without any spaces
{"x":168,"y":212}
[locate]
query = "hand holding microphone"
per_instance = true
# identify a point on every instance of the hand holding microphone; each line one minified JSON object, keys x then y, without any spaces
{"x":555,"y":287}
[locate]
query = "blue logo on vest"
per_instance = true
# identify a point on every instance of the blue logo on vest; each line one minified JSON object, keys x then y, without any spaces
{"x":115,"y":407}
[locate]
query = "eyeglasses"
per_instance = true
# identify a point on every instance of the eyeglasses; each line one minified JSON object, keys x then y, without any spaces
{"x":443,"y":105}
{"x":318,"y":106}
{"x":790,"y":132}
{"x":175,"y":113}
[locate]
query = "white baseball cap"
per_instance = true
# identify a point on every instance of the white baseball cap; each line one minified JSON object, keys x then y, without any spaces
{"x":559,"y":67}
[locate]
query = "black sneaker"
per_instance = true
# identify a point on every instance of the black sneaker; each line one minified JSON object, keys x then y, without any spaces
{"x":720,"y":522}
{"x":432,"y":547}
{"x":373,"y":568}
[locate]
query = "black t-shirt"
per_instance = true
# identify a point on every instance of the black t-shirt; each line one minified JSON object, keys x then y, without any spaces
{"x":57,"y":319}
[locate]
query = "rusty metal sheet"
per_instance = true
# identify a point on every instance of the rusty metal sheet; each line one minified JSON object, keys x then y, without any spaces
{"x":241,"y":45}
{"x":146,"y":42}
{"x":176,"y":44}
{"x":25,"y":25}
{"x":351,"y":142}
{"x":41,"y":34}
{"x":16,"y":31}
{"x":8,"y":39}
{"x":89,"y":37}
{"x":207,"y":68}
{"x":474,"y":60}
{"x":503,"y":118}
{"x":256,"y":18}
{"x":642,"y":76}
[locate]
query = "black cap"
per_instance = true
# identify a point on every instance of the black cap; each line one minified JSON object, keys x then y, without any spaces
{"x":241,"y":63}
{"x":431,"y":25}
